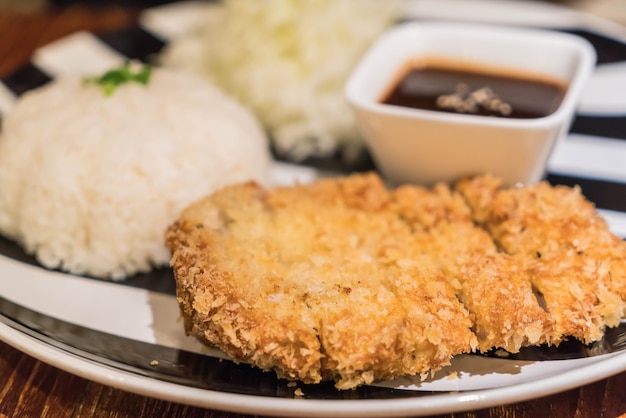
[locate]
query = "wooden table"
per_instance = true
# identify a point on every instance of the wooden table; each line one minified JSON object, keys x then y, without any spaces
{"x":30,"y":388}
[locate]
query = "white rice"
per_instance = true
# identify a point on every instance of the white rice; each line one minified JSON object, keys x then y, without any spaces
{"x":89,"y":183}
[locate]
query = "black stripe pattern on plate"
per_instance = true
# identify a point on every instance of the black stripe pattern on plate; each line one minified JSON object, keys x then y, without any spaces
{"x":27,"y":78}
{"x":607,"y":49}
{"x":174,"y":365}
{"x":604,"y":126}
{"x":134,"y":43}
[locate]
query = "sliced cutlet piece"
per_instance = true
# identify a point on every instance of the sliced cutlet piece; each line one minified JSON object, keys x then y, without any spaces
{"x":317,"y":282}
{"x":498,"y":294}
{"x":574,"y":261}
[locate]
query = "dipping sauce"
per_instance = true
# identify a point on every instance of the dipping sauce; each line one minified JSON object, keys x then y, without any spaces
{"x":458,"y":87}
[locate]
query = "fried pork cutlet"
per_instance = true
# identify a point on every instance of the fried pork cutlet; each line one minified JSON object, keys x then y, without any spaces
{"x":497,"y":293}
{"x":346,"y":280}
{"x":324,"y":281}
{"x":574,"y":261}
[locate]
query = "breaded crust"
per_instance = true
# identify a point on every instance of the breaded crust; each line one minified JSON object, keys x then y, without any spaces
{"x":574,"y":261}
{"x":346,"y":280}
{"x":496,"y":292}
{"x":316,"y":282}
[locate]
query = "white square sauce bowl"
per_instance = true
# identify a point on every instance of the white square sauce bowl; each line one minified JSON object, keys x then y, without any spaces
{"x":415,"y":143}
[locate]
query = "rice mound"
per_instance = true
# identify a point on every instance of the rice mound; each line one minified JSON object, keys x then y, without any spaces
{"x":89,"y":183}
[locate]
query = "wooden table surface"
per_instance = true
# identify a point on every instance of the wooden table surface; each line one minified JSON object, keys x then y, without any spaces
{"x":30,"y":388}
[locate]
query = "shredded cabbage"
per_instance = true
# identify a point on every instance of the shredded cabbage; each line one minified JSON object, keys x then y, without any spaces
{"x":288,"y":61}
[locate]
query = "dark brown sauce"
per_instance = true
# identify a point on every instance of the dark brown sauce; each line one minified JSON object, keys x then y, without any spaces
{"x":465,"y":88}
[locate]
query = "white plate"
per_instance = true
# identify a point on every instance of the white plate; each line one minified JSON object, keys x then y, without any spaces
{"x":133,"y":312}
{"x":152,"y":317}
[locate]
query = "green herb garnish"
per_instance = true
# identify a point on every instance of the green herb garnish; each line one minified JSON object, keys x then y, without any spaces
{"x":112,"y":79}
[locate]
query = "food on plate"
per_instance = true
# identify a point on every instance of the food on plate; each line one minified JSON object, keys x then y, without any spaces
{"x":114,"y":78}
{"x":573,"y":260}
{"x":317,"y":282}
{"x":288,"y":60}
{"x":498,"y":295}
{"x":92,"y":171}
{"x":345,"y":279}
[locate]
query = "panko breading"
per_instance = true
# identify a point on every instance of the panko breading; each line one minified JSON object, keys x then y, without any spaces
{"x":346,"y":280}
{"x":316,"y":282}
{"x":574,"y":261}
{"x":499,"y":296}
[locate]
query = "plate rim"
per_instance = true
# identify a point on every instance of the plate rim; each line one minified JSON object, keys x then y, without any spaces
{"x":437,"y":403}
